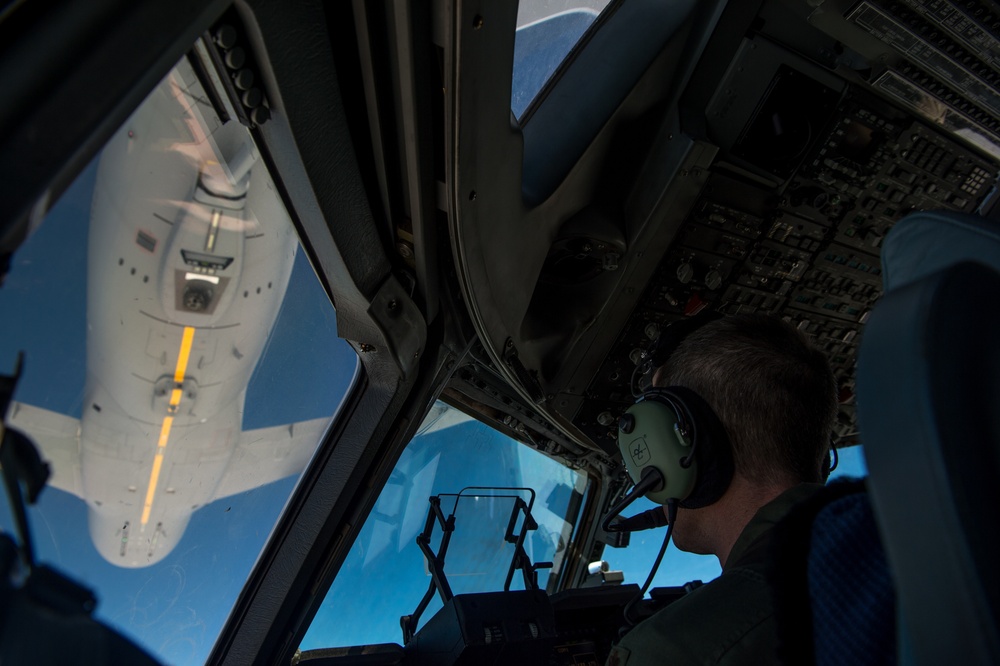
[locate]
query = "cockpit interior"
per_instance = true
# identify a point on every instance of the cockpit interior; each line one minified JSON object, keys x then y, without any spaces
{"x":301,"y":297}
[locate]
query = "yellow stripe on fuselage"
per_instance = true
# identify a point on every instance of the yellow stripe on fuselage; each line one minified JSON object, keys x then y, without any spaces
{"x":153,"y":480}
{"x":184,"y":355}
{"x":165,"y":432}
{"x":168,"y":421}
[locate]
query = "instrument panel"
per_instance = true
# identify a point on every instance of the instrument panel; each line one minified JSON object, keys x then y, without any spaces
{"x":792,"y":218}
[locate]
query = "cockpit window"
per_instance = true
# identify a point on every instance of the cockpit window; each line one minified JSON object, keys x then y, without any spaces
{"x":547,"y":30}
{"x":385,"y":574}
{"x":181,"y":368}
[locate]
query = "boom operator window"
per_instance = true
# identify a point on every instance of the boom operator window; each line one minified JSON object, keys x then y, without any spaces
{"x":168,"y":317}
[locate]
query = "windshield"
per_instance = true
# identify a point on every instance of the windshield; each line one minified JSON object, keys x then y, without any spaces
{"x":385,"y":574}
{"x":181,"y":367}
{"x":479,"y":551}
{"x":547,"y":30}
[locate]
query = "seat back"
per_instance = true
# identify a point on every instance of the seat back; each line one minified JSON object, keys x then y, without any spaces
{"x":834,"y":601}
{"x":929,"y":410}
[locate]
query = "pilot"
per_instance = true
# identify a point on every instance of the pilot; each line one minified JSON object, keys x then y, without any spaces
{"x":776,"y":398}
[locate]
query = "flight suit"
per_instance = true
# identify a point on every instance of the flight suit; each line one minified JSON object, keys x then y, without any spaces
{"x":728,"y":621}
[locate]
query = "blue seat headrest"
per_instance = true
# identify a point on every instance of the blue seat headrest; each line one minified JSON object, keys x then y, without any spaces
{"x":928,"y":241}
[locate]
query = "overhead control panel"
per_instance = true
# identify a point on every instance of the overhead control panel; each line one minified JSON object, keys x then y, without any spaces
{"x":812,"y":173}
{"x":950,"y":73}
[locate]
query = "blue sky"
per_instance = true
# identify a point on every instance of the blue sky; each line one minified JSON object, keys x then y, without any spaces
{"x":176,"y":608}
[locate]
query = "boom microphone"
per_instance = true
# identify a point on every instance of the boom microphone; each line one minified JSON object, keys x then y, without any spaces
{"x":647,"y":520}
{"x":651,"y":479}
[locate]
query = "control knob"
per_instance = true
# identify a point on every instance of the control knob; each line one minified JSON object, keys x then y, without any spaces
{"x":685,"y":272}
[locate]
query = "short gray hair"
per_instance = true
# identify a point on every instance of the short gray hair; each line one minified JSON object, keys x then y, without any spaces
{"x":774,"y":393}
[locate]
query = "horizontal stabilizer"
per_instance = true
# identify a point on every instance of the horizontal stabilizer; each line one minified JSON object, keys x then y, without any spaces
{"x":269,"y":454}
{"x":57,"y":437}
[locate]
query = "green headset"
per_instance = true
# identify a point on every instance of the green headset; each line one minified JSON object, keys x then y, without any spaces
{"x":672,"y":431}
{"x":674,"y":447}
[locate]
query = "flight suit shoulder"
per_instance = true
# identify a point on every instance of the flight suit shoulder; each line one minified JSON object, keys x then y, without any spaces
{"x":728,"y":621}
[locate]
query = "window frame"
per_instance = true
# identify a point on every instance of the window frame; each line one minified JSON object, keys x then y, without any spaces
{"x":55,"y":54}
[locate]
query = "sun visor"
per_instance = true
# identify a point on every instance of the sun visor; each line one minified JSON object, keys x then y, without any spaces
{"x":928,"y":241}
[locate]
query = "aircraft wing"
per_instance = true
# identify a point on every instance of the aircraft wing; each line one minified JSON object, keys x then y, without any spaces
{"x":440,"y":417}
{"x":269,"y":454}
{"x":58,"y":439}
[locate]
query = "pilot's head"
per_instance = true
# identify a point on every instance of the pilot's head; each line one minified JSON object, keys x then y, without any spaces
{"x":774,"y":393}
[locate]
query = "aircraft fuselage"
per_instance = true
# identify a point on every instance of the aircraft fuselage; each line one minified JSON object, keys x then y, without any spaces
{"x":190,"y":256}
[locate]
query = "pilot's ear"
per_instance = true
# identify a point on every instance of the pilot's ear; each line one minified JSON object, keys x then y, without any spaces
{"x":658,"y":375}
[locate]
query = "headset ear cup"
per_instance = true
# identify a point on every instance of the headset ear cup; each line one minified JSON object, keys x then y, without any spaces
{"x":648,"y":438}
{"x":830,"y":461}
{"x":713,"y":452}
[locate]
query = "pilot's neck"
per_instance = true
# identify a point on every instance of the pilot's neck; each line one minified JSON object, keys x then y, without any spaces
{"x":725,"y":520}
